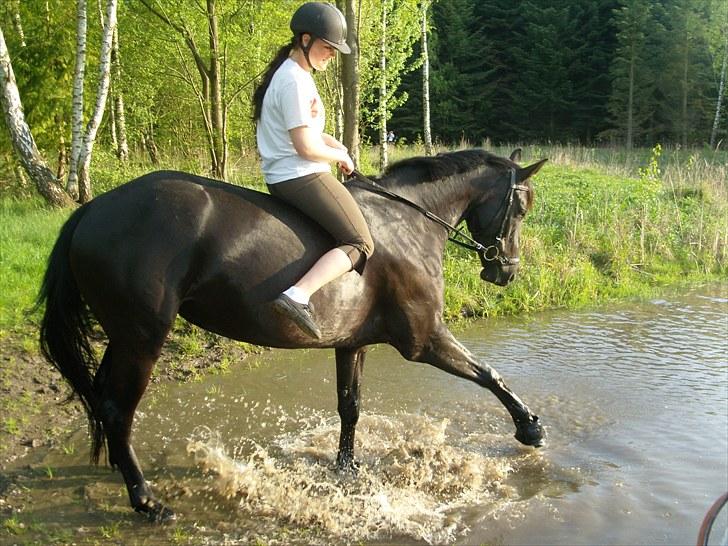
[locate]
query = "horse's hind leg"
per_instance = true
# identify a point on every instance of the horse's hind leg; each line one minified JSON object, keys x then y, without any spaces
{"x":124,"y":375}
{"x":349,"y":367}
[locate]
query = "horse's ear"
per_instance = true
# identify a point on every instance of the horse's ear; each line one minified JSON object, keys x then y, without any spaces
{"x":516,"y":155}
{"x":527,"y":172}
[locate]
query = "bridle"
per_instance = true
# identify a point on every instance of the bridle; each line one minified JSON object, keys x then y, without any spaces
{"x":491,"y":253}
{"x":496,"y":251}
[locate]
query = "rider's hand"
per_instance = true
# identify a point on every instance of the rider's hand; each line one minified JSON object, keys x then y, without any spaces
{"x":347,"y":167}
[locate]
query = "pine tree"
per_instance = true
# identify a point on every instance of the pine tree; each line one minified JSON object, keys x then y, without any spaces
{"x":631,"y":103}
{"x":593,"y":44}
{"x":546,"y":98}
{"x":458,"y":68}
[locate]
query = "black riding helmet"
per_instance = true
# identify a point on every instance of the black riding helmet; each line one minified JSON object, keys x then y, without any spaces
{"x":323,"y":21}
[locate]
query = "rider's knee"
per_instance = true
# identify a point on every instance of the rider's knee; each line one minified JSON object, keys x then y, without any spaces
{"x":359,"y":252}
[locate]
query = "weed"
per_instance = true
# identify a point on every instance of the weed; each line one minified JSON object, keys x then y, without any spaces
{"x":180,"y":536}
{"x":213,"y":390}
{"x":11,"y":426}
{"x":14,"y":526}
{"x":110,"y":532}
{"x":191,"y":345}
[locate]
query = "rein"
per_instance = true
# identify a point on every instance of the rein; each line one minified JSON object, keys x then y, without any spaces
{"x":490,"y":253}
{"x":471,"y":243}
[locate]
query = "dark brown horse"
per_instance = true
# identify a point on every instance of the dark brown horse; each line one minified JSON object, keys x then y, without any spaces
{"x":172,"y":243}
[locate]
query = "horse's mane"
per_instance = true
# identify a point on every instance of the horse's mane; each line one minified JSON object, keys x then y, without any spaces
{"x":414,"y":170}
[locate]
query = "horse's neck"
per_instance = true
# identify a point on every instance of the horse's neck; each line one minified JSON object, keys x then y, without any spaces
{"x":447,"y":198}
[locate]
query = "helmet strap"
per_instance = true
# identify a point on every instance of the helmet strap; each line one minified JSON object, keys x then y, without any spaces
{"x":307,"y":48}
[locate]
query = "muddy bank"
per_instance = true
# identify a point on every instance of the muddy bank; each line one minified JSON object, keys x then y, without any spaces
{"x":35,"y":413}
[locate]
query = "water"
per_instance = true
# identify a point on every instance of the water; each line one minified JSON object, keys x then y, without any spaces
{"x":634,"y":398}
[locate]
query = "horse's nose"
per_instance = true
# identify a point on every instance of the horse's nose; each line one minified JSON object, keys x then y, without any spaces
{"x":506,"y":275}
{"x":499,"y":275}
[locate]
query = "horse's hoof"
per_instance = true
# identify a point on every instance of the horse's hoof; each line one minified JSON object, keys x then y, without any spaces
{"x":531,"y":433}
{"x":347,"y":466}
{"x":156,"y":512}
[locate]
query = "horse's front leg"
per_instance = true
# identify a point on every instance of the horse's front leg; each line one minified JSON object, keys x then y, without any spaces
{"x":446,"y":353}
{"x":349,"y":367}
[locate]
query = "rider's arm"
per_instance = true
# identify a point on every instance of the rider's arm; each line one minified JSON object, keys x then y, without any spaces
{"x":333,"y":142}
{"x":312,"y":146}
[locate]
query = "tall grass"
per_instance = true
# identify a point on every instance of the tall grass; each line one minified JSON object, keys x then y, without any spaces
{"x":607,"y":223}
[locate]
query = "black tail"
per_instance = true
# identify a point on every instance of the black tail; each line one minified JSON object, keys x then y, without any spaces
{"x":65,"y":328}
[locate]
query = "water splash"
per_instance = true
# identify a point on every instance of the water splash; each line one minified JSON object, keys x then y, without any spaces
{"x":414,"y":480}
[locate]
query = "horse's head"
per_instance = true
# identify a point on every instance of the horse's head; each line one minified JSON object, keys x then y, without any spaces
{"x":495,"y":222}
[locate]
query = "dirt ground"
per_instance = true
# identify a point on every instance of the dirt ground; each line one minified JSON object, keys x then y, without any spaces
{"x":34,"y":413}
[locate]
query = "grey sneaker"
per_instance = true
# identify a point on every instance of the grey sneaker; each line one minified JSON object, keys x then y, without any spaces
{"x":300,"y":314}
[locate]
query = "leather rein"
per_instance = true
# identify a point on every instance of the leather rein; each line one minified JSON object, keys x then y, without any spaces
{"x":494,"y":252}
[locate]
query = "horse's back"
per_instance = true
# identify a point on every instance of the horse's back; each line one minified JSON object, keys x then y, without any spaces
{"x":172,"y":242}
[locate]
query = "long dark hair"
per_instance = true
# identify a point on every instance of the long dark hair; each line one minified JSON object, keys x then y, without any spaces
{"x":262,"y":87}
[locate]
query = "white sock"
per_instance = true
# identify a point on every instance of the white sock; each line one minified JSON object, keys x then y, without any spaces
{"x":297,"y":295}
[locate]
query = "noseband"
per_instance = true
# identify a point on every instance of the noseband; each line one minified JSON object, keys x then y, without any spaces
{"x":494,"y":252}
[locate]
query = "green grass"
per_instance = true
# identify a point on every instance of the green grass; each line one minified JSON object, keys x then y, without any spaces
{"x":594,"y":236}
{"x":607,"y":224}
{"x":27,"y":233}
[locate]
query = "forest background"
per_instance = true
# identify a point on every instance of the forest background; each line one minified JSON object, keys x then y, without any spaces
{"x":594,"y":72}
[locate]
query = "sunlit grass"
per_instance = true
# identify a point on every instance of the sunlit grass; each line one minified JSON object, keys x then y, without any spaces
{"x":604,"y":226}
{"x":27,"y":233}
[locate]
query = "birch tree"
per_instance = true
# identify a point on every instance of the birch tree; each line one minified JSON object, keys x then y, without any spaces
{"x":77,"y":98}
{"x":119,"y":121}
{"x":383,"y":87}
{"x":17,"y":21}
{"x":209,"y":93}
{"x":721,"y":87}
{"x":21,"y":137}
{"x":386,"y":59}
{"x":83,"y":159}
{"x":426,"y":128}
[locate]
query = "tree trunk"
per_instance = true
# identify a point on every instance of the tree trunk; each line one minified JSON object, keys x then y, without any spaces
{"x":210,"y":96}
{"x":84,"y":160}
{"x":684,"y":102}
{"x":216,"y":106}
{"x":21,"y":137}
{"x":112,"y":118}
{"x":17,"y":23}
{"x":350,"y":82}
{"x":426,"y":83}
{"x":122,"y":146}
{"x":20,"y":176}
{"x":150,"y":145}
{"x":77,"y":100}
{"x":62,"y":150}
{"x":383,"y":90}
{"x":630,"y":102}
{"x":339,"y":113}
{"x":721,"y":90}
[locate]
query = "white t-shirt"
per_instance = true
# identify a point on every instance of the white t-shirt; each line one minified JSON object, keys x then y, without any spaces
{"x":290,"y":101}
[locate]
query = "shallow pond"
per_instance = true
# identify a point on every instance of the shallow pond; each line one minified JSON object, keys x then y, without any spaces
{"x":634,"y":398}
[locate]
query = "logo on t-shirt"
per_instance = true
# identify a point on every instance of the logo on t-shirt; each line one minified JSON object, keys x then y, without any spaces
{"x":314,"y":108}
